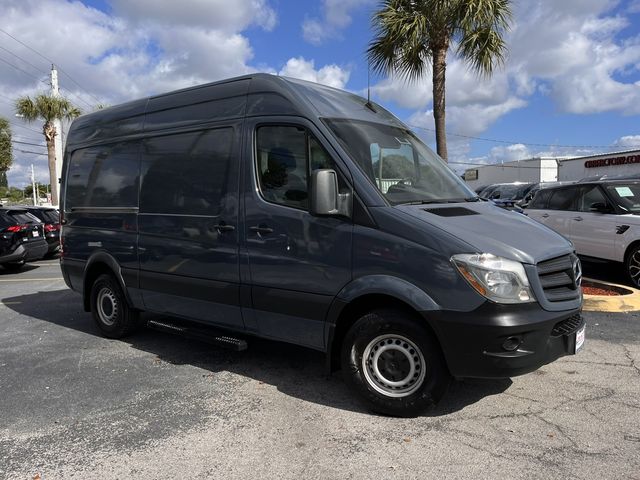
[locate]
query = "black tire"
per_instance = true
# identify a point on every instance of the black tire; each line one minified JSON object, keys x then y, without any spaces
{"x":409,"y":357}
{"x":109,"y":308}
{"x":632,"y":266}
{"x":13,"y":266}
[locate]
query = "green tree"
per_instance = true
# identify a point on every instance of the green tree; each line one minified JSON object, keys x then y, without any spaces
{"x":413,"y":36}
{"x":6,"y":153}
{"x":48,"y":108}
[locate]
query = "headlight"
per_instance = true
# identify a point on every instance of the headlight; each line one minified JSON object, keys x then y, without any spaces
{"x":496,"y":278}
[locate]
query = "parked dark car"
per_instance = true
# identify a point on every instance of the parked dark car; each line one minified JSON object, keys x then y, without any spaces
{"x":21,"y":238}
{"x":507,"y":195}
{"x":50,"y":218}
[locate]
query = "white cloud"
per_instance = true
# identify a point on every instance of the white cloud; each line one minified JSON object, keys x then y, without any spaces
{"x":630,"y":141}
{"x":331,"y":75}
{"x":570,"y":51}
{"x":336,"y":16}
{"x":208,"y":14}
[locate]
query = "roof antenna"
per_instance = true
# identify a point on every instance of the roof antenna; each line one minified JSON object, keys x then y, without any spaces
{"x":369,"y":105}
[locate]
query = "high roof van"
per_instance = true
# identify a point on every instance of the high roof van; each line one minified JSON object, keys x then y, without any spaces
{"x":273,"y":207}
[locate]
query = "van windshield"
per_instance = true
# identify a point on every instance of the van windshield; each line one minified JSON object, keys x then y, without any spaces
{"x":403,"y":168}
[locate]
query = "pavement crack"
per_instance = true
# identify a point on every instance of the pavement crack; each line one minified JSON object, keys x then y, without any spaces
{"x":632,"y":361}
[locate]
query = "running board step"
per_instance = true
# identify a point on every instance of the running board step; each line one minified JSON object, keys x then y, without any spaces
{"x":202,"y":333}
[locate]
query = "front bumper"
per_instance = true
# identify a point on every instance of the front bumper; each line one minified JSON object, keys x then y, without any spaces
{"x":472,"y":342}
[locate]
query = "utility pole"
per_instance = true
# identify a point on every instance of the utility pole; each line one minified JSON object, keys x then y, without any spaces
{"x":33,"y":186}
{"x":57,"y":141}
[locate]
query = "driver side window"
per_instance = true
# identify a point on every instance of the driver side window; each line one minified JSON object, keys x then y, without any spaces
{"x":590,"y":194}
{"x":286,"y":156}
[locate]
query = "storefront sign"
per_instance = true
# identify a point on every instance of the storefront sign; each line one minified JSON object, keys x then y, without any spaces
{"x":607,"y":162}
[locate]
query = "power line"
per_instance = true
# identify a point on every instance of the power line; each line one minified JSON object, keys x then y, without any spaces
{"x":28,"y":151}
{"x":493,"y":140}
{"x":51,"y":61}
{"x":25,"y":61}
{"x":25,"y":127}
{"x":27,"y":143}
{"x":21,"y":70}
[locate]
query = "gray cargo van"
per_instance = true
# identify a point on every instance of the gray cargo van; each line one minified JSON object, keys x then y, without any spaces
{"x":272,"y":207}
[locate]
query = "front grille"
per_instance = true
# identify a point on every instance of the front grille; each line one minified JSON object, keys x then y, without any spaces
{"x":560,"y":278}
{"x":567,"y":326}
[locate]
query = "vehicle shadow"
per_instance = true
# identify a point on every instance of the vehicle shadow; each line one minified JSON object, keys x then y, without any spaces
{"x":293,"y":370}
{"x":25,"y":268}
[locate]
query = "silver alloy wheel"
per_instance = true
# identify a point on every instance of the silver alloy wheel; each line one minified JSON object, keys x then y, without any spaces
{"x":634,"y":267}
{"x":107,"y":306}
{"x":393,"y":365}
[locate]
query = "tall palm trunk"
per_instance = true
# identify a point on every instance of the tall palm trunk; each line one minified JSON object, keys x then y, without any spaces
{"x":439,"y":69}
{"x":49,"y":135}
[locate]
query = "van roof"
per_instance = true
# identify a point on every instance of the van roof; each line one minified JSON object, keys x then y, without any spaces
{"x":250,"y":95}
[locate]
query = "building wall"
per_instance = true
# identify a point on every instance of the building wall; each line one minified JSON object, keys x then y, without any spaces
{"x":532,"y":170}
{"x":622,"y":163}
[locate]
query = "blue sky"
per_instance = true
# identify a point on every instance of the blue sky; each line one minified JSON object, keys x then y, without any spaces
{"x":571,"y":84}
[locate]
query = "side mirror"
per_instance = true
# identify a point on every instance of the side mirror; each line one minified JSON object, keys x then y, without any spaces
{"x":494,"y":195}
{"x":599,"y":207}
{"x":326,"y":200}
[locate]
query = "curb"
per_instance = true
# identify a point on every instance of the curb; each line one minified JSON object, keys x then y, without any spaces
{"x":615,"y":303}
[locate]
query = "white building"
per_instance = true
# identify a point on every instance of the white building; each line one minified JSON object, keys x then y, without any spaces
{"x":551,"y":169}
{"x":610,"y":164}
{"x":531,"y":170}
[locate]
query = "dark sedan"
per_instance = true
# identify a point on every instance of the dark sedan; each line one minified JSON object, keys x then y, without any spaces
{"x":21,"y":238}
{"x":51,"y":220}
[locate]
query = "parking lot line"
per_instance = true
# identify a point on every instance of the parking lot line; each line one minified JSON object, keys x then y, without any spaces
{"x":29,"y":279}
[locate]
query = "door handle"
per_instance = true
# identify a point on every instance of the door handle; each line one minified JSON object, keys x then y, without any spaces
{"x":545,"y":215}
{"x":577,"y":219}
{"x":223,"y":227}
{"x":261,"y":229}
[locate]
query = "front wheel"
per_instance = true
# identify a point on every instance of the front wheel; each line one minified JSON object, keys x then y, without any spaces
{"x":110,"y":310}
{"x":394,"y":364}
{"x":633,"y":266}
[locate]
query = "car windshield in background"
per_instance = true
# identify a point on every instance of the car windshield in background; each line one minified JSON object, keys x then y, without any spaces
{"x":399,"y":164}
{"x":511,"y":192}
{"x":626,"y":196}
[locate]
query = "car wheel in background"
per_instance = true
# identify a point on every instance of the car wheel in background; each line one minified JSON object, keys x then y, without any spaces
{"x":632,"y":266}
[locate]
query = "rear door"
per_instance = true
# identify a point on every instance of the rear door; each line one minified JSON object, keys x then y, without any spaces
{"x":594,"y":233}
{"x":188,"y":224}
{"x":561,"y":208}
{"x":297,"y":262}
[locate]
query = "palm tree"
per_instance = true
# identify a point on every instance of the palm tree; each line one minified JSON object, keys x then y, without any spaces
{"x":49,"y":109}
{"x":412,"y":36}
{"x":6,"y":157}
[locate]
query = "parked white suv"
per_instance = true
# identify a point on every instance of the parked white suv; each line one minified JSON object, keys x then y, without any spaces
{"x":601,"y":218}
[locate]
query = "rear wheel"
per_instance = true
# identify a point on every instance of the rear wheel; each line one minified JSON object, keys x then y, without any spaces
{"x":633,"y":266}
{"x":110,"y":310}
{"x":394,"y":364}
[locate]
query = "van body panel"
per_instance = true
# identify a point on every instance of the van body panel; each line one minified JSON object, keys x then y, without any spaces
{"x":172,"y":194}
{"x":484,"y":225}
{"x":301,"y":263}
{"x":188,"y":237}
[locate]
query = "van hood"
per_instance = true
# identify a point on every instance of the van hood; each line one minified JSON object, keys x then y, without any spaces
{"x":491,"y":229}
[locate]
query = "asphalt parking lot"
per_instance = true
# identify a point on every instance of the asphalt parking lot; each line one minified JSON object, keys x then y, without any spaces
{"x":76,"y":405}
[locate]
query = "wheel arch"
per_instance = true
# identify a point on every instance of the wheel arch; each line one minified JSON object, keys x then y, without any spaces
{"x":101,"y":263}
{"x":370,"y":293}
